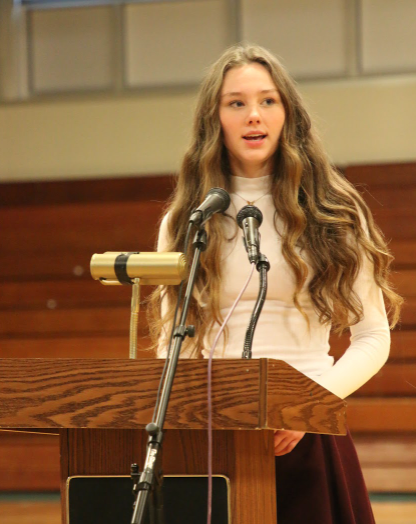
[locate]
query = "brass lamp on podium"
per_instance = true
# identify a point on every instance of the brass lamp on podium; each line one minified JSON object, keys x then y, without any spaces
{"x":135,"y":269}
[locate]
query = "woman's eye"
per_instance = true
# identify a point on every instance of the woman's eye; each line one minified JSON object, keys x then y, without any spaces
{"x":269,"y":101}
{"x":236,"y":103}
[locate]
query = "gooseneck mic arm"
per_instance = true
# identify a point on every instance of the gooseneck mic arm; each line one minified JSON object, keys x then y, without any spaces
{"x":250,"y":218}
{"x":263,"y":266}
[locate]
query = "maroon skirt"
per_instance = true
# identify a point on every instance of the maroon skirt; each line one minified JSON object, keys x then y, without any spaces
{"x":320,"y":482}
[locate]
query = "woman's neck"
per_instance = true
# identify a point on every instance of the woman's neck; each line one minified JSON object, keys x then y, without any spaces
{"x":250,"y":171}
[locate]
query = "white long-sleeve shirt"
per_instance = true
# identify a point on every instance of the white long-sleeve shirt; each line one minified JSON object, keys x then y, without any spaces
{"x":282,"y":332}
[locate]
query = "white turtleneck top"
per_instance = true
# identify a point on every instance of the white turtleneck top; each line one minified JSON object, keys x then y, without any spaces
{"x":282,"y":332}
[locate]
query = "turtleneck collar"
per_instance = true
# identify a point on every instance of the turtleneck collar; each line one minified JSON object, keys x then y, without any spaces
{"x":252,"y":187}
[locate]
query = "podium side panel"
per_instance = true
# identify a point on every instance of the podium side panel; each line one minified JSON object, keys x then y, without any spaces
{"x":254,"y":478}
{"x":245,"y":457}
{"x":64,"y":450}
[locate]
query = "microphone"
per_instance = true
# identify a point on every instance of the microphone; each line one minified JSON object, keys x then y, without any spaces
{"x":216,"y":201}
{"x":249,"y":218}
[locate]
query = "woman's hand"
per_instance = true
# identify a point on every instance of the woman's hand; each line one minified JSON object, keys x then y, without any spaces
{"x":285,"y":441}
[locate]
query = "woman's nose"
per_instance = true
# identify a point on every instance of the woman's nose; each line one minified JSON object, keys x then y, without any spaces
{"x":254,"y":120}
{"x":253,"y":115}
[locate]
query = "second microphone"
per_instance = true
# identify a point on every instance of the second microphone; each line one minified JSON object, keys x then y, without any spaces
{"x":249,"y":218}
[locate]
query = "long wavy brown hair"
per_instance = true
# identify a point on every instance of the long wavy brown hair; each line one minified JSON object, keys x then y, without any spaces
{"x":323,"y":213}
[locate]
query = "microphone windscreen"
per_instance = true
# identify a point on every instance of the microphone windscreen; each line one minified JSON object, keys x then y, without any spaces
{"x":223,"y":195}
{"x":249,"y":212}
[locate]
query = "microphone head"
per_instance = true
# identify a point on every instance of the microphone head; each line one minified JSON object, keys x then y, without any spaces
{"x":216,"y":200}
{"x":249,"y":212}
{"x":223,"y":196}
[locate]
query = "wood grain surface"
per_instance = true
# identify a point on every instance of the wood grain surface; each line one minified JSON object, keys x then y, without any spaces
{"x":293,"y":399}
{"x":117,"y":393}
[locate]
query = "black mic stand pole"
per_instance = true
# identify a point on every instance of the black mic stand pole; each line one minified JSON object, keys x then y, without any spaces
{"x":148,"y":479}
{"x":262,"y":266}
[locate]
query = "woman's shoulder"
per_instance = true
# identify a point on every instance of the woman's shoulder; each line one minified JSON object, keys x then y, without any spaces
{"x":163,"y":238}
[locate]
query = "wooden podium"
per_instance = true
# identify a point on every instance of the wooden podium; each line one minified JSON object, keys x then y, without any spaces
{"x":100,"y":407}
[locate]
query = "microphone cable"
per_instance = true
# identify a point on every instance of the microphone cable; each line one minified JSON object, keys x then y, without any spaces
{"x":211,"y":355}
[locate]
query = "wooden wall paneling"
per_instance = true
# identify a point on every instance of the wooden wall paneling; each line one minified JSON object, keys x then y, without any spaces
{"x":381,"y":195}
{"x":95,"y":227}
{"x":390,"y":191}
{"x":52,"y":294}
{"x":45,"y":265}
{"x":49,"y":304}
{"x":396,"y":224}
{"x":388,"y":462}
{"x":408,"y":314}
{"x":381,"y":415}
{"x":396,"y":380}
{"x":404,"y":281}
{"x":93,"y":346}
{"x":120,"y":189}
{"x":98,"y":320}
{"x":375,"y":175}
{"x":404,"y":252}
{"x":29,"y":462}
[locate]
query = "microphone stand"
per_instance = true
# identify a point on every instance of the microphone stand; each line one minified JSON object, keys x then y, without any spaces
{"x":262,"y":266}
{"x":150,"y":480}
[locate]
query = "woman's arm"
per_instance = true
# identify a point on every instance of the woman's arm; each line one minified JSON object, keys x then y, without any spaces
{"x":162,"y":243}
{"x":370,"y":340}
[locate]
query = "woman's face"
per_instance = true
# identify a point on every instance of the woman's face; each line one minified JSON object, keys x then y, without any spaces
{"x":252,"y":117}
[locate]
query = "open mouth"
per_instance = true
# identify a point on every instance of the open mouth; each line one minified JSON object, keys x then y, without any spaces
{"x":254,"y":137}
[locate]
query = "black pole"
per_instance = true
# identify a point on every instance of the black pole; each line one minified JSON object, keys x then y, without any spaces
{"x":149,"y":479}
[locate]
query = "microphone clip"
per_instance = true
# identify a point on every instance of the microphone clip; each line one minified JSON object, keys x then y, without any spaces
{"x":262,"y":262}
